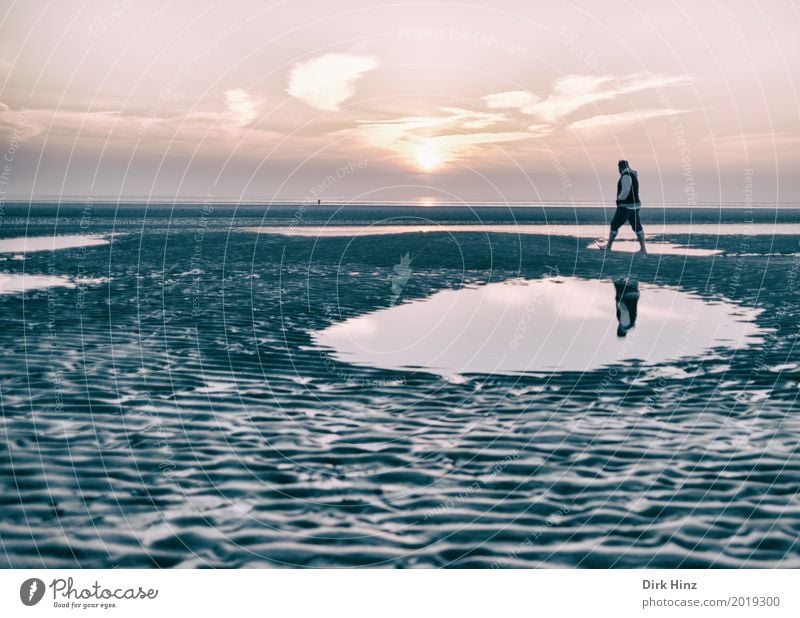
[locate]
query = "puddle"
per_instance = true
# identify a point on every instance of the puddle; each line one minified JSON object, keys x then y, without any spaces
{"x":579,"y":231}
{"x":30,"y":244}
{"x":656,"y":248}
{"x":12,"y":283}
{"x":541,"y":325}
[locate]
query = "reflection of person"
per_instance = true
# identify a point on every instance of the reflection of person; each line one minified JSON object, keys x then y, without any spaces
{"x":626,"y":294}
{"x":628,"y":205}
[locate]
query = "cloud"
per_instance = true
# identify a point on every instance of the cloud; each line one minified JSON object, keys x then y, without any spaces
{"x":752,"y":146}
{"x":325,"y":82}
{"x":241,"y":107}
{"x":609,"y":122}
{"x":20,"y":124}
{"x":580,"y":84}
{"x":150,"y":130}
{"x":572,"y":92}
{"x":514,"y":99}
{"x":429,"y":141}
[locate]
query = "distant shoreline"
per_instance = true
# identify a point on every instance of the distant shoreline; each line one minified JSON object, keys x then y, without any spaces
{"x":18,"y":217}
{"x":393,"y":204}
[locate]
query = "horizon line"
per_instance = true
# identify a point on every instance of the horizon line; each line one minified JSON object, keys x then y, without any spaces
{"x":419,"y":202}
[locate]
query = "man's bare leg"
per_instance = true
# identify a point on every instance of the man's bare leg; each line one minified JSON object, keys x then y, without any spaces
{"x":611,"y":236}
{"x":640,"y":236}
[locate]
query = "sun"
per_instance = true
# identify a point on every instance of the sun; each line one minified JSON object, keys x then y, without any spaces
{"x":428,"y":159}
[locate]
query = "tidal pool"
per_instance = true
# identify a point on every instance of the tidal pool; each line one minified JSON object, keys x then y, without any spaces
{"x":30,"y":244}
{"x":656,"y":248}
{"x":14,"y":283}
{"x":541,"y":325}
{"x":536,"y":229}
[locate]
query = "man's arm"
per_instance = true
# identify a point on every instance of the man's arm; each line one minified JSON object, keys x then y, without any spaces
{"x":625,"y":187}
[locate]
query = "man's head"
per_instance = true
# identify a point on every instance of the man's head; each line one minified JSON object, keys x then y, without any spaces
{"x":622,"y":164}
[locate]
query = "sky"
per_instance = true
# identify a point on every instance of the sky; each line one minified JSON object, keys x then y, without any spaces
{"x":428,"y":101}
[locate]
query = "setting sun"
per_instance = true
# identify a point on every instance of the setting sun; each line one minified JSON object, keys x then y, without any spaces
{"x":428,"y":159}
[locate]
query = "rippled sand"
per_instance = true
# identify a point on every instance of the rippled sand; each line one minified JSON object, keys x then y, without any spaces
{"x":178,"y":413}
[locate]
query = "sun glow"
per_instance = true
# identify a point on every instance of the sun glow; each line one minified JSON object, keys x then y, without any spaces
{"x":428,"y":159}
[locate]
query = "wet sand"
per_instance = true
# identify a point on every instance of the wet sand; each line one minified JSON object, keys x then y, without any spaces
{"x":173,"y":409}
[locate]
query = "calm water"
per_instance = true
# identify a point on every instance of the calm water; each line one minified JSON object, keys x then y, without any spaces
{"x":542,"y":325}
{"x":539,"y":229}
{"x":166,"y":400}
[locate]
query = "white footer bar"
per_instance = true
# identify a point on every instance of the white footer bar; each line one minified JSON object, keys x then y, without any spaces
{"x":386,"y":594}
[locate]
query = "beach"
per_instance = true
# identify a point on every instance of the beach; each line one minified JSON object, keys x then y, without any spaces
{"x":167,"y":402}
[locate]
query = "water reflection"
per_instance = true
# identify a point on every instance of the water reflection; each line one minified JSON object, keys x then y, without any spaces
{"x":30,"y":244}
{"x":536,"y":229}
{"x":542,"y":325}
{"x":13,"y":283}
{"x":626,"y":295}
{"x":657,"y":248}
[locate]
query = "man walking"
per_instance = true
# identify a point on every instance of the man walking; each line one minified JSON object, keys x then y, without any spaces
{"x":628,"y":205}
